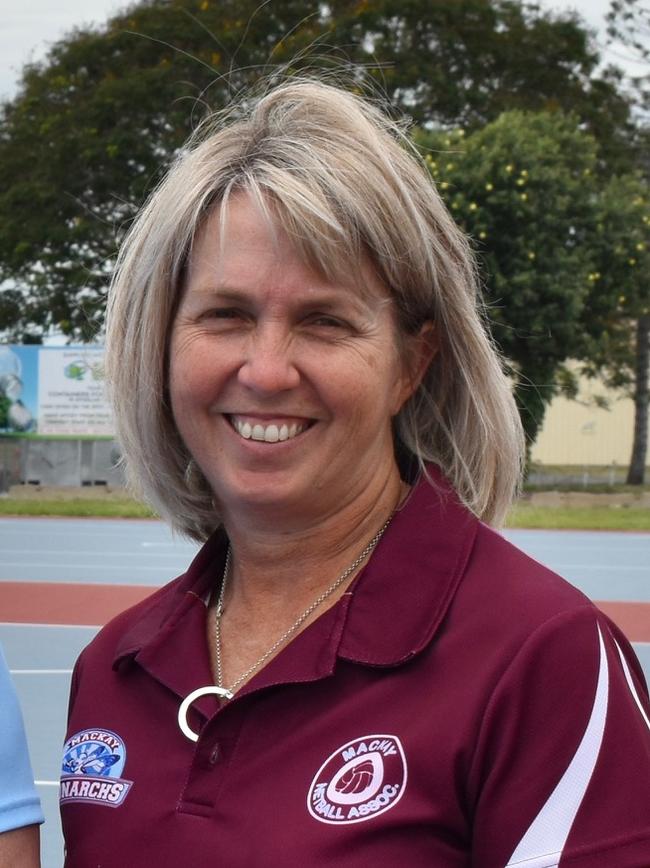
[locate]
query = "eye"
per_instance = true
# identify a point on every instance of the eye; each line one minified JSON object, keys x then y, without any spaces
{"x":225,"y":313}
{"x":225,"y":317}
{"x":325,"y":320}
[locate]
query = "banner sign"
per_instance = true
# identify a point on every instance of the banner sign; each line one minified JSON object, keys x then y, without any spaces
{"x":53,"y":391}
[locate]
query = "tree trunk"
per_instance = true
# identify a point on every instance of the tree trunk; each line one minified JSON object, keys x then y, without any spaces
{"x":636,"y":471}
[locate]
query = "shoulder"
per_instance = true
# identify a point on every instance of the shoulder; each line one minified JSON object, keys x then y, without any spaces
{"x":120,"y":640}
{"x":11,"y":721}
{"x":516,"y":616}
{"x":19,"y":801}
{"x":551,"y":649}
{"x":128,"y":630}
{"x":566,"y":724}
{"x":136,"y":626}
{"x":522,"y":586}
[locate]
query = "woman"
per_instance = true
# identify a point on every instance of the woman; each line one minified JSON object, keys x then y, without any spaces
{"x":20,"y":807}
{"x":355,"y":670}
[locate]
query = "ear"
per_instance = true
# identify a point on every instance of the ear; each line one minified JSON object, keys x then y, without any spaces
{"x":419,"y":351}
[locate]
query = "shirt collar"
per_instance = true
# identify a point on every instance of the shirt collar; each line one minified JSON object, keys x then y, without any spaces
{"x":391,"y":612}
{"x":402,"y":596}
{"x":172,"y":603}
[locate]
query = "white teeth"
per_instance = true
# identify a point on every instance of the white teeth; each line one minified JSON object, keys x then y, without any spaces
{"x":269,"y":434}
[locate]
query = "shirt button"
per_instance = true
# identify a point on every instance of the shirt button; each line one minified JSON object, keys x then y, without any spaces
{"x":215,"y":753}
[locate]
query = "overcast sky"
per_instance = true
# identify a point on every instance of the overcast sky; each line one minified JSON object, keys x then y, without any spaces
{"x":28,"y":27}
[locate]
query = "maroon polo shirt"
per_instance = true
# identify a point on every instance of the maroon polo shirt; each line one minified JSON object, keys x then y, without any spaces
{"x":460,"y":705}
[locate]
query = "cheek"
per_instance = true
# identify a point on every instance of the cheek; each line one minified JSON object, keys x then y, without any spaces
{"x":193,"y":372}
{"x":191,"y":395}
{"x":375,"y":393}
{"x":392,"y":386}
{"x":178,"y":350}
{"x":180,"y":397}
{"x":179,"y":385}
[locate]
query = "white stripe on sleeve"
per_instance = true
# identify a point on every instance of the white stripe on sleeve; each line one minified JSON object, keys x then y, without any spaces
{"x":630,"y":683}
{"x":543,"y":842}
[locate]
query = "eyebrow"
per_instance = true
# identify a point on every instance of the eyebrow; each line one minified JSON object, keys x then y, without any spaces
{"x":326,"y":299}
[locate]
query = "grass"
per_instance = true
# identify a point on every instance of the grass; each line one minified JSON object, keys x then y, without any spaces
{"x":579,"y":517}
{"x":84,"y":507}
{"x":523,"y":515}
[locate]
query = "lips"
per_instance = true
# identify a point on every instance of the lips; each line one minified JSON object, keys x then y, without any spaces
{"x":273,"y":431}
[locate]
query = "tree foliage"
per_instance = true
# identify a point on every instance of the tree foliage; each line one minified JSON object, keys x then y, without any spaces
{"x":565,"y":256}
{"x":95,"y":124}
{"x":617,"y":319}
{"x":619,"y":294}
{"x":629,"y":26}
{"x":90,"y":133}
{"x":523,"y":187}
{"x":466,"y":62}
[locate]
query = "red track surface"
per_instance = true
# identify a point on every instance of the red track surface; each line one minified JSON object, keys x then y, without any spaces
{"x":67,"y":603}
{"x":632,"y":618}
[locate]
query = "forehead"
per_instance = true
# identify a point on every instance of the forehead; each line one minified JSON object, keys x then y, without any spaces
{"x":242,"y":243}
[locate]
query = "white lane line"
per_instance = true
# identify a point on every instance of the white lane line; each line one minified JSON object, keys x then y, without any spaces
{"x":14,"y":531}
{"x":60,"y":565}
{"x":107,"y":552}
{"x":613,"y":567}
{"x":47,"y":783}
{"x":41,"y":671}
{"x":592,"y":540}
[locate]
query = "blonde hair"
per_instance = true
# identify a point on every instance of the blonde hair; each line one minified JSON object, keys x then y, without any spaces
{"x":341,"y":178}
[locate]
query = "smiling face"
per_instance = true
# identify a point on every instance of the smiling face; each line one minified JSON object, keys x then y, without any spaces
{"x":283,"y":385}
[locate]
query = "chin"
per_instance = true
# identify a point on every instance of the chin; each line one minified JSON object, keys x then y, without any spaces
{"x":258,"y":490}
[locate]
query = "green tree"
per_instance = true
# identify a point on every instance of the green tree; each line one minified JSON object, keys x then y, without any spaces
{"x":466,"y":62}
{"x":523,"y":187}
{"x":5,"y":404}
{"x":629,"y":27}
{"x":93,"y":126}
{"x":617,"y":315}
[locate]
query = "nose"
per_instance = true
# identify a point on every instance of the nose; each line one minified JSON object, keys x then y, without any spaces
{"x":268,"y":367}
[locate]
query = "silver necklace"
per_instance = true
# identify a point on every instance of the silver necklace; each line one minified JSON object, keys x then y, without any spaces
{"x":229,"y":692}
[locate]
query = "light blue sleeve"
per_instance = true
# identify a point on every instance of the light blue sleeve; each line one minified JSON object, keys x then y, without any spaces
{"x":19,"y":801}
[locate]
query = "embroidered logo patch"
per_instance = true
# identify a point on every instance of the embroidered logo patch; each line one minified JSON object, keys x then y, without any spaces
{"x":93,"y":761}
{"x":359,"y":781}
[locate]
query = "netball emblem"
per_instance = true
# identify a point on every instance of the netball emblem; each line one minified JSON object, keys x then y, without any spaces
{"x":359,"y":781}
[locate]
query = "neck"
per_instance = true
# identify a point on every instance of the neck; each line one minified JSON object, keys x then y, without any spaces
{"x":287,"y":567}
